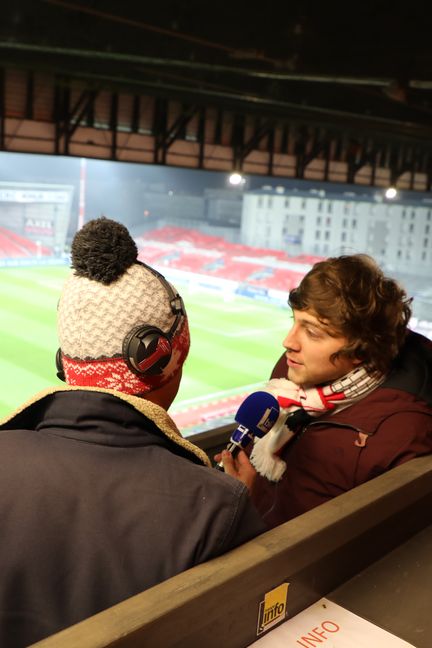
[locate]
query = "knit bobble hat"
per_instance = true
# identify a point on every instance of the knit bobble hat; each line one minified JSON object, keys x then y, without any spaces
{"x":108,"y":294}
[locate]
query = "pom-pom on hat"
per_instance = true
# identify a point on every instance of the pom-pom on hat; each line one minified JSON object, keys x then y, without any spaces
{"x":109,"y":294}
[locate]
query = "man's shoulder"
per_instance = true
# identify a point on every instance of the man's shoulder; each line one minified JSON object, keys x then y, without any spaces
{"x":384,"y":402}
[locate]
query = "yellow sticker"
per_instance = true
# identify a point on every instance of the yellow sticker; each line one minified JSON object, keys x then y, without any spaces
{"x":273,"y":609}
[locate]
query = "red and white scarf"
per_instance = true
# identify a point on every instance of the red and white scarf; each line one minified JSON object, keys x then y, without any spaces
{"x":298,"y":405}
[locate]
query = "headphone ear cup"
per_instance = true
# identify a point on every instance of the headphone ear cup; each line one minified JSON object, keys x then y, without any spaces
{"x":147,"y":350}
{"x":59,"y":366}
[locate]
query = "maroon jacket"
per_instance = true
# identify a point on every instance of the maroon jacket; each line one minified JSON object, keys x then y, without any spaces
{"x":335,"y":453}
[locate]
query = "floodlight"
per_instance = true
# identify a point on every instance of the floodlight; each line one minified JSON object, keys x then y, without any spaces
{"x":235,"y":178}
{"x":391,"y":193}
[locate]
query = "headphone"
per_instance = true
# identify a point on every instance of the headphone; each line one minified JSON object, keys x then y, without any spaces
{"x":146,"y":348}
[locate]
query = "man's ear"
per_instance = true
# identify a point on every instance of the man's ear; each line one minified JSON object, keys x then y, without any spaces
{"x":358,"y":355}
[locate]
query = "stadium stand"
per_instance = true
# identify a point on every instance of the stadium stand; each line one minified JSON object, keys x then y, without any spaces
{"x":189,"y":262}
{"x":280,"y":279}
{"x":149,"y":254}
{"x":192,"y":251}
{"x":236,"y":271}
{"x":14,"y":246}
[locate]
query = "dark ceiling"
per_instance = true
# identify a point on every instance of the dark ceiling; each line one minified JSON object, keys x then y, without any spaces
{"x":366,"y":63}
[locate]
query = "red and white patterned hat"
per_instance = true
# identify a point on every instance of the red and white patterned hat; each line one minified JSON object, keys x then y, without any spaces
{"x":108,"y":294}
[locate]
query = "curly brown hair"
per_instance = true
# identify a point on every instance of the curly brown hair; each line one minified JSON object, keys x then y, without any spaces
{"x":354,"y":298}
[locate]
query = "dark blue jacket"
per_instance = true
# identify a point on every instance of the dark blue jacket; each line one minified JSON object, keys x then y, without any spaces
{"x":96,"y":505}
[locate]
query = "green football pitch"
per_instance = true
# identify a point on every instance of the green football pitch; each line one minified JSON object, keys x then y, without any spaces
{"x":235,"y":342}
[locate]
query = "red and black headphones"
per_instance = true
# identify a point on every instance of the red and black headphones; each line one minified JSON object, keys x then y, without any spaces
{"x":146,"y":348}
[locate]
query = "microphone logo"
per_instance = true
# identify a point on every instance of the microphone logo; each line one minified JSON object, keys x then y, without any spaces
{"x":267,"y":420}
{"x":255,"y":417}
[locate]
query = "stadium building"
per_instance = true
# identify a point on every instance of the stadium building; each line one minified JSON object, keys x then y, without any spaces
{"x":34,"y":212}
{"x":319,"y":222}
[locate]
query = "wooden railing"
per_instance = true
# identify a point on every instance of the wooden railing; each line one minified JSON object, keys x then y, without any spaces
{"x":216,"y":604}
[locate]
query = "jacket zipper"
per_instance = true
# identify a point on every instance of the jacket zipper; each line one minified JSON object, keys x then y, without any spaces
{"x":362,"y":436}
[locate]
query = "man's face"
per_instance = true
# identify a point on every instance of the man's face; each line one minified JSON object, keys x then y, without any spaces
{"x":309,"y":347}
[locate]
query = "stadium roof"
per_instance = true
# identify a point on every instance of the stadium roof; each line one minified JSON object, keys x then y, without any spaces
{"x":367,"y":63}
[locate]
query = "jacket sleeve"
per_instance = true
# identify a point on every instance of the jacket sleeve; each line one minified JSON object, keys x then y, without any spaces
{"x":245,"y":524}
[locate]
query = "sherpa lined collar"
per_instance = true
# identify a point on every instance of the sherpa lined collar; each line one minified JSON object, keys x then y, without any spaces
{"x":28,"y":412}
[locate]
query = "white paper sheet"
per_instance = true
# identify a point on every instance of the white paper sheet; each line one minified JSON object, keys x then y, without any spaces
{"x":328,"y":625}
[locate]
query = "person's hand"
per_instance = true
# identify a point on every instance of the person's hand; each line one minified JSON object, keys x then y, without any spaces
{"x":239,"y":467}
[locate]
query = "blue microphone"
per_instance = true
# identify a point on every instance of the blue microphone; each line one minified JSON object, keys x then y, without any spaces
{"x":255,"y":416}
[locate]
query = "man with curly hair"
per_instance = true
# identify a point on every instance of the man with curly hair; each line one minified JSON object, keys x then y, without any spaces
{"x":354,"y":386}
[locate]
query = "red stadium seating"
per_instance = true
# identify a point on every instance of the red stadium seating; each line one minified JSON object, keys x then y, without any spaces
{"x":14,"y":246}
{"x":192,"y":251}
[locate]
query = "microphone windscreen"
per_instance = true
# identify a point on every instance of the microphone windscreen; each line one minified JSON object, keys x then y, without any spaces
{"x":258,"y":413}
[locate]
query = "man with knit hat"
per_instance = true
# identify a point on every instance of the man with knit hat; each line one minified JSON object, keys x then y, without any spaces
{"x":100,"y":495}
